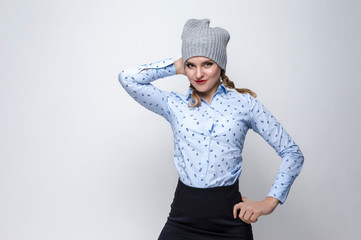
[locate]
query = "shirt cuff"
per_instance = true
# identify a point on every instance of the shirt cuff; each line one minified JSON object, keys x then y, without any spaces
{"x":281,"y":187}
{"x":164,"y":68}
{"x":159,"y":64}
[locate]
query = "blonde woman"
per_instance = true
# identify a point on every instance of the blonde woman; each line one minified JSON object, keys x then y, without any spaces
{"x":209,"y":124}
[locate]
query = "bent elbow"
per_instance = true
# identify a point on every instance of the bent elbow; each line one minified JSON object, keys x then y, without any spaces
{"x":121,"y":78}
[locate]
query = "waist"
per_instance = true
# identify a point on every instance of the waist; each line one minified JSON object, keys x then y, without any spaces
{"x":211,"y":191}
{"x":206,"y":173}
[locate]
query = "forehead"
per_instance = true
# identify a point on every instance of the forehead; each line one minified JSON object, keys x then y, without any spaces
{"x":196,"y":60}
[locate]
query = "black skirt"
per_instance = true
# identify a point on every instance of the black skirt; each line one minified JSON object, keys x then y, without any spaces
{"x":205,"y":213}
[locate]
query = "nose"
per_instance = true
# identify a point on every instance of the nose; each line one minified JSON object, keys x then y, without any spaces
{"x":199,"y":73}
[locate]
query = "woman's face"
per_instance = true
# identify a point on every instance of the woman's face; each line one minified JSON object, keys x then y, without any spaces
{"x":204,"y":75}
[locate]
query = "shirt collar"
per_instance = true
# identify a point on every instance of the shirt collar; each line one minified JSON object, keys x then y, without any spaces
{"x":221,"y":89}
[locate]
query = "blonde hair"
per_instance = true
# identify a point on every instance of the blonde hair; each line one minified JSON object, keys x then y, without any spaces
{"x":228,"y":83}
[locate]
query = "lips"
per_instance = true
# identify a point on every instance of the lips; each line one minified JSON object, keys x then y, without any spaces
{"x":200,"y":81}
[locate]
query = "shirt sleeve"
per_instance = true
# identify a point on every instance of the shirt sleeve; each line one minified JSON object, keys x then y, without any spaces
{"x":265,"y":124}
{"x":137,"y":82}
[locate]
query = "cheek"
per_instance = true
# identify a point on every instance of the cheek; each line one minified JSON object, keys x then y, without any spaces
{"x":189,"y":75}
{"x":213,"y":71}
{"x":214,"y":74}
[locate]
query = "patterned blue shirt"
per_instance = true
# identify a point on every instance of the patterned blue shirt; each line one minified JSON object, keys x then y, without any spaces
{"x":208,"y":139}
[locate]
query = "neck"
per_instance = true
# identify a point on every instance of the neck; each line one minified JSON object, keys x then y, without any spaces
{"x":207,"y":96}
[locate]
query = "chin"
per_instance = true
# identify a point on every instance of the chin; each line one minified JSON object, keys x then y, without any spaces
{"x":201,"y":89}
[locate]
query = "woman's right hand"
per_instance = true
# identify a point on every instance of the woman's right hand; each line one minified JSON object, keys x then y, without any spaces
{"x":179,"y":67}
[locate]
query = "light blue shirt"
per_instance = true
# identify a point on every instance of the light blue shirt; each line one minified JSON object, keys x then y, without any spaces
{"x":208,"y":139}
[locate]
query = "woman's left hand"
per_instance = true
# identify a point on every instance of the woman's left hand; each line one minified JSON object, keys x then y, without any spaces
{"x":179,"y":66}
{"x":251,"y":210}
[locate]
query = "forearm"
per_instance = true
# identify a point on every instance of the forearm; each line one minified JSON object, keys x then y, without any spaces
{"x":146,"y":73}
{"x":288,"y":171}
{"x":137,"y":83}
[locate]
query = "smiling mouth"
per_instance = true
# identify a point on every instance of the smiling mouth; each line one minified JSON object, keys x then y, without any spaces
{"x":200,"y":81}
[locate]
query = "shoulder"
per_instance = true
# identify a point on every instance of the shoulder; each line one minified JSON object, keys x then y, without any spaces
{"x":244,"y":98}
{"x":178,"y":97}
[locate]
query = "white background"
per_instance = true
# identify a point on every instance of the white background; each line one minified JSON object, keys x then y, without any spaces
{"x":80,"y":159}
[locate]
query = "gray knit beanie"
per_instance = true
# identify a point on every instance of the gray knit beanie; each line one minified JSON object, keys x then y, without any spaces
{"x":198,"y":39}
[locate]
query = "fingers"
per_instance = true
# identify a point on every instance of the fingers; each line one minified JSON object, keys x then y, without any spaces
{"x":247,"y":214}
{"x":254,"y":217}
{"x":179,"y":66}
{"x":235,"y":209}
{"x":243,"y":213}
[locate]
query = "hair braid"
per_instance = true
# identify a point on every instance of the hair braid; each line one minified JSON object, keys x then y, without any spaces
{"x":229,"y":84}
{"x":195,"y":97}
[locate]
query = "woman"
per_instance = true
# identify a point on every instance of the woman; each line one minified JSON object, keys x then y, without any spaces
{"x":209,"y":124}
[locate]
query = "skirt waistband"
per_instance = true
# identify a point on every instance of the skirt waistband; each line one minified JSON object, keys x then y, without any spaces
{"x":211,"y":191}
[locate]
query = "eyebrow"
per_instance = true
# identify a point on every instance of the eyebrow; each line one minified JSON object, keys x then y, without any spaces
{"x":209,"y":60}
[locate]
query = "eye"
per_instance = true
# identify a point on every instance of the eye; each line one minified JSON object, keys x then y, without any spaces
{"x":189,"y":65}
{"x":208,"y":64}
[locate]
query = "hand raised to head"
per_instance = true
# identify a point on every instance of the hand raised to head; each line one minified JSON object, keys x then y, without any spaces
{"x":179,"y":67}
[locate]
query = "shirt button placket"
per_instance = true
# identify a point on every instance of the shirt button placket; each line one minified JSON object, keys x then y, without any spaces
{"x":207,"y":140}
